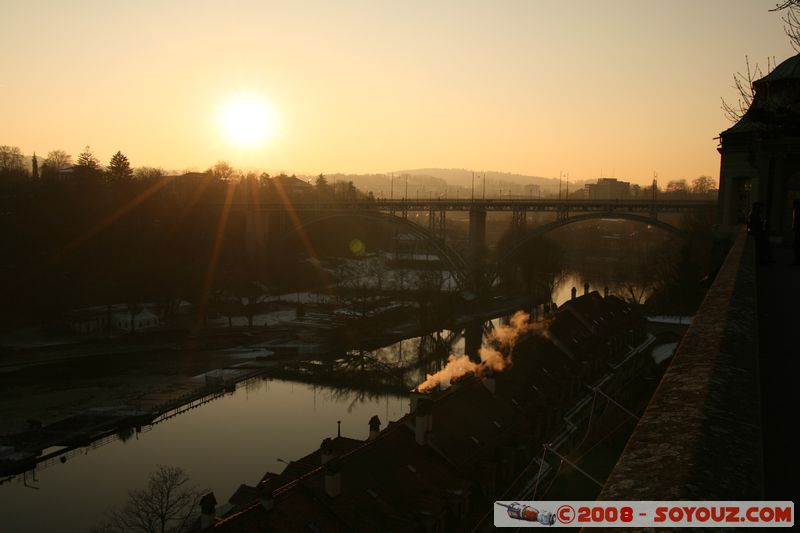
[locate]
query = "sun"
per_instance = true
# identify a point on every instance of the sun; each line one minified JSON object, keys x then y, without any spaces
{"x":247,"y":120}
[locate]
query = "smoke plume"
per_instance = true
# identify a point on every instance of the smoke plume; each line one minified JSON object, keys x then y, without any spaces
{"x":492,"y":359}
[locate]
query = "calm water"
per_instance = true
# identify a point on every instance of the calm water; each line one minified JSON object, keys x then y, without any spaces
{"x":563,"y":290}
{"x":222,"y":444}
{"x":232,"y":440}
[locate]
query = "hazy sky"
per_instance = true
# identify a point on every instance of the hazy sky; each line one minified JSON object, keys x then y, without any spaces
{"x":585,"y":86}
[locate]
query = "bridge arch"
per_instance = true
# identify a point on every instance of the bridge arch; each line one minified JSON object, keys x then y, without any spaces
{"x":454,"y":262}
{"x":550,"y":226}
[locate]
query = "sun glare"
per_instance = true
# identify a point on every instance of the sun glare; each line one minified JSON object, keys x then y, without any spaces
{"x":247,"y":120}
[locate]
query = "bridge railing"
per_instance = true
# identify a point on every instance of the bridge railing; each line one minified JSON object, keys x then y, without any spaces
{"x":700,"y":436}
{"x":498,"y":204}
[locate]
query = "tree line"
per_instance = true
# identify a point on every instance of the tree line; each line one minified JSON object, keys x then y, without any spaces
{"x":83,"y":234}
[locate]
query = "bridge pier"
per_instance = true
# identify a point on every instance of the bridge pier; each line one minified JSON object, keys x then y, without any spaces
{"x":437,"y":222}
{"x":473,"y":339}
{"x":518,"y":218}
{"x":477,"y":249}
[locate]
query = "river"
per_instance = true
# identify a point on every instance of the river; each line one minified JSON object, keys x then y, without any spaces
{"x":232,"y":440}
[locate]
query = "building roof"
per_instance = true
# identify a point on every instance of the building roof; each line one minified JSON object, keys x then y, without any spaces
{"x":294,"y":510}
{"x":292,"y":183}
{"x":392,"y":483}
{"x":787,"y":70}
{"x":386,"y":484}
{"x":468,"y":420}
{"x":775,"y":106}
{"x":389,"y":481}
{"x":337,"y":446}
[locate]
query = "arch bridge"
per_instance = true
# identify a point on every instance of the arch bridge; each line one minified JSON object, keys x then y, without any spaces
{"x":303,"y":214}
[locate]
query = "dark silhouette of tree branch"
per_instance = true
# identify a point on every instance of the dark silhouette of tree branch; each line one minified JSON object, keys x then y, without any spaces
{"x":703,"y":185}
{"x":743,"y":84}
{"x":791,"y":21}
{"x":57,"y":160}
{"x":166,"y":505}
{"x":11,"y":159}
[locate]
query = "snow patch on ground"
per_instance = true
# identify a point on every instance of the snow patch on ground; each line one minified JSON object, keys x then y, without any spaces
{"x":662,"y":352}
{"x":670,"y":319}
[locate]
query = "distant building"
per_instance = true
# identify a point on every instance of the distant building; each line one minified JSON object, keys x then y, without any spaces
{"x":533,"y":191}
{"x":291,"y":185}
{"x":761,"y":154}
{"x":117,"y":316}
{"x":88,"y":320}
{"x":140,"y":321}
{"x":605,"y":189}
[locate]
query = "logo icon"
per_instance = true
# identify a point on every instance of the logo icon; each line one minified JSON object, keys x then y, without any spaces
{"x":517,"y":511}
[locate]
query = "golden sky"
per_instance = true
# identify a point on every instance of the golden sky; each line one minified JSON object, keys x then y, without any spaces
{"x":621,"y":87}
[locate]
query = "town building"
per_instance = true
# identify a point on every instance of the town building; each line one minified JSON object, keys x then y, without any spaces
{"x":441,"y":467}
{"x":138,"y":321}
{"x":291,"y":185}
{"x":761,"y":155}
{"x":112,"y":317}
{"x":604,"y":189}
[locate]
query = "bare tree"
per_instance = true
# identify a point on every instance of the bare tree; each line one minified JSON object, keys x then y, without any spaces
{"x":791,"y":21}
{"x":743,"y":81}
{"x":222,"y":171}
{"x":703,"y":184}
{"x":168,"y":504}
{"x":678,"y":187}
{"x":148,"y":173}
{"x":743,"y":84}
{"x":11,"y":159}
{"x":57,"y":160}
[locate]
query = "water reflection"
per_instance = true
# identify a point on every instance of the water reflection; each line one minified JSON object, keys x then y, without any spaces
{"x":563,"y":290}
{"x":413,"y":359}
{"x":233,"y":440}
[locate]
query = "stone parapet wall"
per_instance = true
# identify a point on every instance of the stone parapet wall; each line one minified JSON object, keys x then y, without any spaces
{"x":700,"y":436}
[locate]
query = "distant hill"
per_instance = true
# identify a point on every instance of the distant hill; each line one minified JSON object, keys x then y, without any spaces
{"x":453,"y":182}
{"x":497,"y":183}
{"x":463,"y":177}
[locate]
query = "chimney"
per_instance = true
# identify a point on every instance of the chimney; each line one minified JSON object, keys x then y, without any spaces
{"x":266,"y":499}
{"x":574,"y":293}
{"x":585,"y":289}
{"x":374,"y":427}
{"x":326,"y":451}
{"x":415,"y":396}
{"x":489,"y":381}
{"x":333,"y":479}
{"x":208,"y":510}
{"x":605,"y":292}
{"x":423,"y":422}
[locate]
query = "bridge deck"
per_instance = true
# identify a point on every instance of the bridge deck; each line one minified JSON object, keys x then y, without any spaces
{"x":503,"y":204}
